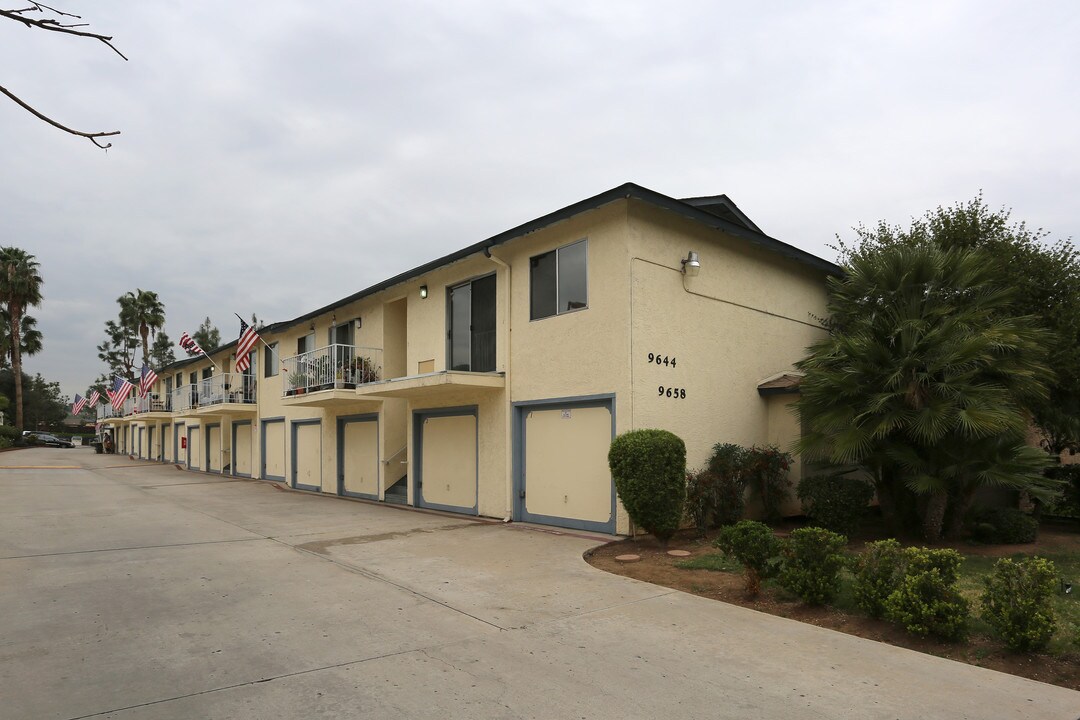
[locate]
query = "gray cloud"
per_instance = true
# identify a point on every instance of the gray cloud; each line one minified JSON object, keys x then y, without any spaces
{"x":276,"y":157}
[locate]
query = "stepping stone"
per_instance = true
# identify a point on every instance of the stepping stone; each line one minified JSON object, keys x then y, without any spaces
{"x":679,"y":553}
{"x":627,"y":558}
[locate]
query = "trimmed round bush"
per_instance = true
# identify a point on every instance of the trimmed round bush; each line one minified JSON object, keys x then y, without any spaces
{"x":1017,"y":602}
{"x":755,"y":546}
{"x":927,"y":601}
{"x":1005,"y":526}
{"x":649,"y":469}
{"x":835,"y":502}
{"x":878,"y":572}
{"x":813,"y":558}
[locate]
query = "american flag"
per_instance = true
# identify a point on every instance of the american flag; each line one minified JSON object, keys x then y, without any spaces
{"x":80,"y":402}
{"x":121,"y":389}
{"x":149,"y":377}
{"x":94,"y":397}
{"x":190,"y":345}
{"x":248,"y":338}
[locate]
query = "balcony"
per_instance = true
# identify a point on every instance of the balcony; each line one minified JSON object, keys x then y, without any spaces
{"x":153,"y":403}
{"x":225,"y":394}
{"x":330,"y":375}
{"x":105,"y":411}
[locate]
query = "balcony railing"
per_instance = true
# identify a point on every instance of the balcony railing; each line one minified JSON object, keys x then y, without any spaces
{"x":185,"y":397}
{"x":225,"y":388}
{"x":153,"y":402}
{"x":334,"y":366}
{"x":105,"y":410}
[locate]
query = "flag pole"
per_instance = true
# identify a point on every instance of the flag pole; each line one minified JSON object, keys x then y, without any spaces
{"x":260,"y":338}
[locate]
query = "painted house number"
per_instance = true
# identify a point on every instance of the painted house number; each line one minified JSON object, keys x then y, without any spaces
{"x":668,"y":360}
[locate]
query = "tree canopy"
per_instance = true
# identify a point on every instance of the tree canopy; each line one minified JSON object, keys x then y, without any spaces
{"x":935,"y":363}
{"x":20,"y":288}
{"x":1043,"y":277}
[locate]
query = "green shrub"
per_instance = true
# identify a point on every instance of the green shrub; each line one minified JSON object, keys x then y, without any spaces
{"x":649,"y":469}
{"x":728,"y":461}
{"x":1005,"y":526}
{"x":878,"y":572}
{"x":927,"y":601}
{"x":755,"y":546}
{"x":813,"y":558}
{"x":835,"y":502}
{"x":1017,"y":602}
{"x":766,"y":471}
{"x":712,"y":500}
{"x":1068,"y":505}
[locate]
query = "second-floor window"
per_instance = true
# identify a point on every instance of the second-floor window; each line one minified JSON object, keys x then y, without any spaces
{"x":558,"y":281}
{"x":270,"y":366}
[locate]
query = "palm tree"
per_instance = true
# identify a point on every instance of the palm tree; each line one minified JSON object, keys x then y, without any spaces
{"x":142,"y":310}
{"x":923,"y":373}
{"x":31,"y":341}
{"x":20,"y":288}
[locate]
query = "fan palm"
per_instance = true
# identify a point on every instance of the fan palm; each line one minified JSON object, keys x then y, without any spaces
{"x":20,"y":288}
{"x":920,"y":366}
{"x":31,"y":337}
{"x":143,"y":311}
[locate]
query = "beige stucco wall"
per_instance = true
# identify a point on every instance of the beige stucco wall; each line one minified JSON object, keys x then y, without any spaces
{"x":747,"y":316}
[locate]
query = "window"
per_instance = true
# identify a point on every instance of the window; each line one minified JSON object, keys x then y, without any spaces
{"x":472,"y":325}
{"x":270,"y":365}
{"x":305,"y":343}
{"x":558,"y":281}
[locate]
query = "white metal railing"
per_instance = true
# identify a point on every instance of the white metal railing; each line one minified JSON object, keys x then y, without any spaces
{"x":154,"y":402}
{"x":227,"y":388}
{"x":334,"y":366}
{"x":224,"y":388}
{"x":129,"y":406}
{"x":105,"y":410}
{"x":185,"y":397}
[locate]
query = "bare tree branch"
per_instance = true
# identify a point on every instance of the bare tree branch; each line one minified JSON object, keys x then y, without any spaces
{"x":54,"y":25}
{"x":91,"y":136}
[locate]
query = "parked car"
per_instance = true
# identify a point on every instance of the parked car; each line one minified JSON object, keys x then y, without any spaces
{"x":53,"y":441}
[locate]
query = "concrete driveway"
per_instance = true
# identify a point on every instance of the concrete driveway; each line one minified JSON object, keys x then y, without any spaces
{"x":134,"y":590}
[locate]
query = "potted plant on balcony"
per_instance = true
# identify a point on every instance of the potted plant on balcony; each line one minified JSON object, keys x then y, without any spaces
{"x":298,"y":383}
{"x":364,"y":371}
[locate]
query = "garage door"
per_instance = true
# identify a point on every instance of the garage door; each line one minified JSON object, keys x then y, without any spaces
{"x":446,"y":477}
{"x":358,"y":457}
{"x":194,"y":447}
{"x":241,"y":460}
{"x":273,"y":449}
{"x":167,"y":439}
{"x":563,"y":477}
{"x":213,"y":448}
{"x":180,"y":443}
{"x":307,"y":454}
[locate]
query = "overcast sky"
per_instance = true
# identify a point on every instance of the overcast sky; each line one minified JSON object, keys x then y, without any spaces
{"x":275,"y":156}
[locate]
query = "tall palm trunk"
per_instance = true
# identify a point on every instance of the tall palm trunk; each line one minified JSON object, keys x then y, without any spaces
{"x":15,"y":312}
{"x":934,"y":515}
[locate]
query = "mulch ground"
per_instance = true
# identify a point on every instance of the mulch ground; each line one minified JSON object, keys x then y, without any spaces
{"x":657,"y":567}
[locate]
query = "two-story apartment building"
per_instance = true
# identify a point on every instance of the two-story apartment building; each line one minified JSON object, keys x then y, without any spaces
{"x":491,"y":381}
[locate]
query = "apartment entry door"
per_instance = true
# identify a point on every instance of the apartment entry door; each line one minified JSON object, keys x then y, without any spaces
{"x":445,"y":443}
{"x":472,"y":325}
{"x":561,"y":473}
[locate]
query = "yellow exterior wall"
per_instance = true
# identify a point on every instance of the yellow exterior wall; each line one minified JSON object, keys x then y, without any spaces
{"x":748,"y":315}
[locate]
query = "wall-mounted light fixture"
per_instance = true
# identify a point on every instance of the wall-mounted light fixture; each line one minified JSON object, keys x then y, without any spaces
{"x":312,"y":327}
{"x":691,"y":265}
{"x":423,"y":292}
